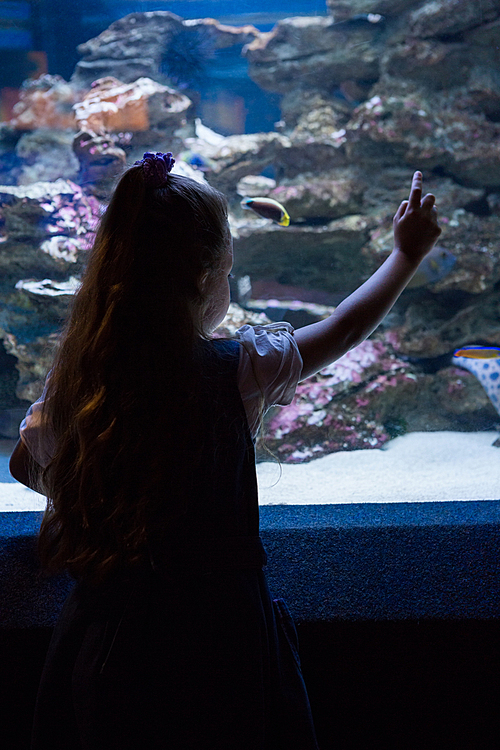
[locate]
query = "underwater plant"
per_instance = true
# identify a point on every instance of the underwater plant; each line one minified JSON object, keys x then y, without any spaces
{"x":186,"y":56}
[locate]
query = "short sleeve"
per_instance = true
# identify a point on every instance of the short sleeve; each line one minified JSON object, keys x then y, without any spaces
{"x":269,"y":369}
{"x":39,"y":442}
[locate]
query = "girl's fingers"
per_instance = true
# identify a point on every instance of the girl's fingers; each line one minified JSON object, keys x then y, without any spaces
{"x":402,"y":208}
{"x":416,"y":191}
{"x":429,"y":201}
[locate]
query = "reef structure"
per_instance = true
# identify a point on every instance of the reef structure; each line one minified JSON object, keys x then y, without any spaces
{"x":368,"y":92}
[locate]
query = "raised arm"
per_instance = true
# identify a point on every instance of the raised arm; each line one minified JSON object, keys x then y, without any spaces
{"x":415,"y":232}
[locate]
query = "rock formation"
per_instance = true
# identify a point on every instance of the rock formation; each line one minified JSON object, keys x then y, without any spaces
{"x":369,"y":92}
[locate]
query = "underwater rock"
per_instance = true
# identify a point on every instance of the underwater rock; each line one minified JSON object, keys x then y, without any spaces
{"x":408,"y":127}
{"x":321,"y":199}
{"x":326,"y":257}
{"x":433,"y":326}
{"x":46,"y":154}
{"x":448,"y":17}
{"x":317,"y":421}
{"x":50,"y":288}
{"x":435,"y":64}
{"x":342,"y":9}
{"x":45,"y":102}
{"x":307,"y":52}
{"x":101,"y":161}
{"x":313,"y":114}
{"x":469,"y":234}
{"x":482,"y":94}
{"x":34,"y":360}
{"x":135,"y":46}
{"x":38,"y":213}
{"x":367,"y":397}
{"x":254,"y":185}
{"x":46,"y":230}
{"x":29,"y":216}
{"x":237,"y":156}
{"x":112,"y":107}
{"x":227,"y":160}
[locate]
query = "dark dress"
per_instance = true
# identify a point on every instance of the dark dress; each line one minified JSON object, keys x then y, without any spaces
{"x":189,"y":652}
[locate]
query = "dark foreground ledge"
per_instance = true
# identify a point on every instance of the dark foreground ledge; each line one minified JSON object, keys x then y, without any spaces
{"x":397,"y":607}
{"x":330,"y":562}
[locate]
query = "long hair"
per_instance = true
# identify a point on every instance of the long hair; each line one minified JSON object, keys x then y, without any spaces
{"x":120,"y":392}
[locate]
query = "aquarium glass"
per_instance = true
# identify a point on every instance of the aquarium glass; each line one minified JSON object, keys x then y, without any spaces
{"x":326,"y":107}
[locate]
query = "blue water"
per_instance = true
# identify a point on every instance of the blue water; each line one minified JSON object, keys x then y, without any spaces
{"x":6,"y":448}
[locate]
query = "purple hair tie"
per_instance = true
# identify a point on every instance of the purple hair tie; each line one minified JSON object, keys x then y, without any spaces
{"x":156,"y":168}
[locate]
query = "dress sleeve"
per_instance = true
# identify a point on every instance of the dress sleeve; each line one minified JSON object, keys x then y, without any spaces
{"x":269,"y":368}
{"x":39,"y":442}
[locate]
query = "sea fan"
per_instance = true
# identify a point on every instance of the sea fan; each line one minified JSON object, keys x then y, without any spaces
{"x":186,"y":56}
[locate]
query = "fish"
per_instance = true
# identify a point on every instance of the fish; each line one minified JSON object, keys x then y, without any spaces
{"x":268,"y":208}
{"x":197,"y":161}
{"x":435,"y":266}
{"x":478,"y":352}
{"x":487,"y":371}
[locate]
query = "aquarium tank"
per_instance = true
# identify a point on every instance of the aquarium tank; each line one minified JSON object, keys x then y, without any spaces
{"x":328,"y":107}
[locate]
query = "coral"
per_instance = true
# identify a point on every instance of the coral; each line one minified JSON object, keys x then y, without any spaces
{"x":45,"y":102}
{"x":101,"y":160}
{"x":47,"y":229}
{"x":237,"y":317}
{"x":368,"y":397}
{"x":113,"y":107}
{"x":317,"y":422}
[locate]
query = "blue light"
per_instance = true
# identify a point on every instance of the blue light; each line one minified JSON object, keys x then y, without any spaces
{"x":15,"y":39}
{"x":14,"y":11}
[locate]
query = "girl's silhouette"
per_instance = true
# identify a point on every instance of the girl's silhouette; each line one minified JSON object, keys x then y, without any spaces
{"x":143,"y":442}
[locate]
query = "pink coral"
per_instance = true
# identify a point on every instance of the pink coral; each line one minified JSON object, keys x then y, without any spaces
{"x":328,"y":413}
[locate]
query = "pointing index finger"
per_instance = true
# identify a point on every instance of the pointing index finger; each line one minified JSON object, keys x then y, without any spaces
{"x":416,"y":191}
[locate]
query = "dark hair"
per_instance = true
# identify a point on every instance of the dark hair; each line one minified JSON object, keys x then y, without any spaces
{"x":119,"y":394}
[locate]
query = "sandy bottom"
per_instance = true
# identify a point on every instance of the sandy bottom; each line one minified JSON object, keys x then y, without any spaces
{"x":418,"y":467}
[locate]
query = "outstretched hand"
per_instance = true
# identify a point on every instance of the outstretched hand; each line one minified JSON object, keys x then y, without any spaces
{"x":415,"y":224}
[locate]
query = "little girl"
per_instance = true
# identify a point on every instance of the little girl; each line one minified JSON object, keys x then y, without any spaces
{"x":143,"y":442}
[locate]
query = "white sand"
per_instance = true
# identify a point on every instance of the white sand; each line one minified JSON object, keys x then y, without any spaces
{"x":418,"y":467}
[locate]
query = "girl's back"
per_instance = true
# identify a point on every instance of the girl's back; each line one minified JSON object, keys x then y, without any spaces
{"x":185,"y":650}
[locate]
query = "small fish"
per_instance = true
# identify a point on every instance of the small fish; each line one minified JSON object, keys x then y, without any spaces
{"x":268,"y":209}
{"x":478,"y":352}
{"x":486,"y":371}
{"x":435,"y":266}
{"x":197,"y":161}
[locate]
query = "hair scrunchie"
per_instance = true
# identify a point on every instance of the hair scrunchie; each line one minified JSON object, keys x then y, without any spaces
{"x":156,"y":167}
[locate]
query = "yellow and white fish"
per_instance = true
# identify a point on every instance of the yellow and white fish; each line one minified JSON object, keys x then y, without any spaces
{"x":478,"y":352}
{"x":268,"y":208}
